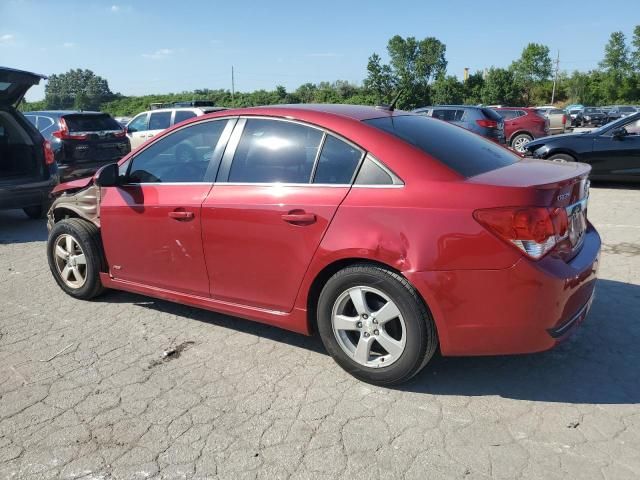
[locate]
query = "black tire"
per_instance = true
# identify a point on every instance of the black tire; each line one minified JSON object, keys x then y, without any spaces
{"x":87,"y":236}
{"x":36,"y":212}
{"x":421,"y":337}
{"x":561,"y":157}
{"x":520,"y":138}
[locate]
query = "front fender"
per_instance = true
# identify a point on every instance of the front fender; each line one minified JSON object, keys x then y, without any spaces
{"x":84,"y":203}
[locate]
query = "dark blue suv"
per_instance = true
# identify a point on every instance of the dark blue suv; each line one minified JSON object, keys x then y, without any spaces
{"x":480,"y":120}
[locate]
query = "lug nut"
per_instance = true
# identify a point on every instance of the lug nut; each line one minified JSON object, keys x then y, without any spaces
{"x":376,"y":332}
{"x":365,"y":316}
{"x":366,"y":334}
{"x":359,"y":324}
{"x":375,"y":321}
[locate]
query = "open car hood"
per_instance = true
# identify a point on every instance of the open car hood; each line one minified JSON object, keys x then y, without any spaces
{"x":15,"y":83}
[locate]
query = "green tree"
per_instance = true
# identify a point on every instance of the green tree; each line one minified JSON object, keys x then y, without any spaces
{"x":533,"y":66}
{"x":447,"y":90}
{"x":473,"y":89}
{"x":380,"y":80}
{"x":500,"y":88}
{"x":77,"y":86}
{"x":616,"y":54}
{"x":635,"y":53}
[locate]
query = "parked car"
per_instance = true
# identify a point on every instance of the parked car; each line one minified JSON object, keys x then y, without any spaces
{"x":82,"y":142}
{"x":573,"y":117}
{"x":28,"y":171}
{"x":559,"y":121}
{"x":619,"y":111}
{"x":146,"y":125}
{"x":613,"y":150}
{"x":390,"y":234}
{"x":590,"y":116}
{"x":481,"y":120}
{"x":521,"y":125}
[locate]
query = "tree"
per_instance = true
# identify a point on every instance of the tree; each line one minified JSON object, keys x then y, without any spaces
{"x":473,"y":88}
{"x":500,"y":88}
{"x":447,"y":90}
{"x":77,"y":87}
{"x":635,"y":53}
{"x":379,"y":79}
{"x":616,"y":54}
{"x":533,"y":66}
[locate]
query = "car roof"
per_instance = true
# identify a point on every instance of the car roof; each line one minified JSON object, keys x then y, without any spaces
{"x":353,"y":112}
{"x":475,"y":107}
{"x":59,"y":113}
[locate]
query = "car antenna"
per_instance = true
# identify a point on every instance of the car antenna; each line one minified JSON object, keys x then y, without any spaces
{"x":392,"y":106}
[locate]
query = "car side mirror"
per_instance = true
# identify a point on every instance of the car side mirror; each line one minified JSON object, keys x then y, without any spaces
{"x":108,"y":176}
{"x":619,"y":133}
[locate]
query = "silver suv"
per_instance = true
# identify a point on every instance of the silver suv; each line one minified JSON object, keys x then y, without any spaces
{"x":480,"y":120}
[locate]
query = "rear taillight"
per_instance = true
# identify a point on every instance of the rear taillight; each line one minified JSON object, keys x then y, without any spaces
{"x":487,"y":123}
{"x":535,"y":231}
{"x":564,"y":119}
{"x":64,"y":134}
{"x":121,"y":134}
{"x":49,"y":157}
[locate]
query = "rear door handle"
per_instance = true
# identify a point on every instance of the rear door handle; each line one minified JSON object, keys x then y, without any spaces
{"x":299,"y":217}
{"x":181,"y":215}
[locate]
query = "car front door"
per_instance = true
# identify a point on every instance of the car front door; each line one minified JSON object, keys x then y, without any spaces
{"x":618,"y":156}
{"x":279,"y":186}
{"x":137,"y":130}
{"x":151,"y":223}
{"x":158,"y":121}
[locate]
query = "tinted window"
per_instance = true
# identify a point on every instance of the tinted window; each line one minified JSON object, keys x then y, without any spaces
{"x":183,"y":156}
{"x":626,"y":109}
{"x":182,"y":115}
{"x":373,"y":174}
{"x":159,"y":120}
{"x":466,"y":153}
{"x":90,"y":123}
{"x":508,"y":114}
{"x":32,"y":119}
{"x":337,"y":163}
{"x":138,"y":124}
{"x":491,"y":114}
{"x":275,"y":151}
{"x":45,"y":124}
{"x":633,"y":128}
{"x":448,"y":115}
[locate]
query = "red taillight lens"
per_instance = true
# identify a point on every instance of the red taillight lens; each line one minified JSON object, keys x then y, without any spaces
{"x":564,"y":119}
{"x":121,"y":134}
{"x":533,"y":230}
{"x":64,"y":134}
{"x":487,"y":123}
{"x":49,"y":157}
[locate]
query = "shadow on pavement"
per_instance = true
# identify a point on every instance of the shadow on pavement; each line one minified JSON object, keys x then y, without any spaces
{"x":615,"y":185}
{"x":16,"y":227}
{"x":599,"y":364}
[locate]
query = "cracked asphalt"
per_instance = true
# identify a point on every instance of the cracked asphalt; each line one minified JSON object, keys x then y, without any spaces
{"x":86,"y":390}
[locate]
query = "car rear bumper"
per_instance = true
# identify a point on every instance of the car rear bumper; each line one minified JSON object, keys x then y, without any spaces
{"x":529,"y":307}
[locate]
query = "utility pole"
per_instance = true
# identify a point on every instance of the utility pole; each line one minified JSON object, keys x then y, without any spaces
{"x":555,"y":78}
{"x":233,"y":83}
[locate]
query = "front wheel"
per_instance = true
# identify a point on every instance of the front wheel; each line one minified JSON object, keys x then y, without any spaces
{"x":75,"y":255}
{"x":519,"y":141}
{"x":374,"y":325}
{"x":562,"y":158}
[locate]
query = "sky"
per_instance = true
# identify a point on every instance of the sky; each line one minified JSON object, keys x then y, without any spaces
{"x":143,"y":47}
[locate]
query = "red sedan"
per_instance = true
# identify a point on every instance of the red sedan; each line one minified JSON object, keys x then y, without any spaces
{"x":389,"y":234}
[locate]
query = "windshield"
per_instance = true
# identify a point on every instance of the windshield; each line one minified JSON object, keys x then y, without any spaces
{"x":462,"y":151}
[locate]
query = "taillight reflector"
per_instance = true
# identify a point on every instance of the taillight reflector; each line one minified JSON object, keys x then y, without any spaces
{"x":49,"y":157}
{"x":535,"y":231}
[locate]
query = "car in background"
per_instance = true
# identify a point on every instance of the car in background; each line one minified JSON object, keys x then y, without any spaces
{"x":390,"y":234}
{"x":590,"y":117}
{"x":619,"y":111}
{"x":573,"y":116}
{"x":28,"y":170}
{"x":573,"y":106}
{"x":613,"y":150}
{"x":147,"y":124}
{"x":81,"y":141}
{"x":481,"y":120}
{"x":122,"y":120}
{"x":559,"y":121}
{"x":521,"y":125}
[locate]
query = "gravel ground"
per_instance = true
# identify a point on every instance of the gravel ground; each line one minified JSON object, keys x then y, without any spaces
{"x":242,"y":400}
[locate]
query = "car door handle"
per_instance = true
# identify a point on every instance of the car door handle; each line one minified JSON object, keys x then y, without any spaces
{"x":181,"y":215}
{"x":299,"y":217}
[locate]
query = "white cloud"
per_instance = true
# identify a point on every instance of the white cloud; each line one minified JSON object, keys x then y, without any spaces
{"x":68,"y":44}
{"x":6,"y":39}
{"x":120,"y":8}
{"x":324,"y":54}
{"x":158,"y":54}
{"x":115,"y":8}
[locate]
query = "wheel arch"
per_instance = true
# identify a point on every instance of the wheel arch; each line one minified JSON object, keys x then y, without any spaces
{"x":520,"y":132}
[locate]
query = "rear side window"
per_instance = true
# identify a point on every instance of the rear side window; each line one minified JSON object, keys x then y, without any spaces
{"x":462,"y":151}
{"x":90,"y":123}
{"x":159,"y":120}
{"x":182,"y":115}
{"x":275,"y":151}
{"x":32,"y":119}
{"x":372,"y":173}
{"x":448,"y":115}
{"x":508,"y":114}
{"x":337,"y":163}
{"x":491,"y":114}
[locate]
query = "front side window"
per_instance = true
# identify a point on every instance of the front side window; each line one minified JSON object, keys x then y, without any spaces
{"x":273,"y":151}
{"x":183,"y":156}
{"x":159,"y":120}
{"x":138,"y":124}
{"x":633,"y":127}
{"x":337,"y":163}
{"x":182,"y":115}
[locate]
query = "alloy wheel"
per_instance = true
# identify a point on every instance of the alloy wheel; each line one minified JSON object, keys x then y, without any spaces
{"x":368,"y":327}
{"x":519,"y":144}
{"x":70,"y":261}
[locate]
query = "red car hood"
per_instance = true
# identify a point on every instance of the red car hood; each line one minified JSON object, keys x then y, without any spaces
{"x":78,"y":184}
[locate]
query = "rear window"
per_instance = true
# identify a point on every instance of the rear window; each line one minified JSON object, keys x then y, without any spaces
{"x":463,"y":151}
{"x":491,"y":114}
{"x":627,"y":109}
{"x":90,"y":123}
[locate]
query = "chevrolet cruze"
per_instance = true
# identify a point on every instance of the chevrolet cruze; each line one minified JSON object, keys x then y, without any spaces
{"x":391,"y":235}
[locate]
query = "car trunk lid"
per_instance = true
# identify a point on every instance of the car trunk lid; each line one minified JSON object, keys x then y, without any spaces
{"x":92,"y":137}
{"x":14,"y":85}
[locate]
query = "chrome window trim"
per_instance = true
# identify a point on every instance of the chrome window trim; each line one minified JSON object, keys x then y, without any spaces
{"x":168,"y":184}
{"x":281,"y":184}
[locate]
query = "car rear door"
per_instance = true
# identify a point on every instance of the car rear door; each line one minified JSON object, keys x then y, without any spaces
{"x":277,"y":191}
{"x":158,"y":121}
{"x":151,"y":225}
{"x":618,"y":156}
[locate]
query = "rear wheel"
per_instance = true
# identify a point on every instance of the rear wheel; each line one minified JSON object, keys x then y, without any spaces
{"x":519,"y":141}
{"x":374,"y":325}
{"x":561,"y":157}
{"x":75,"y":255}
